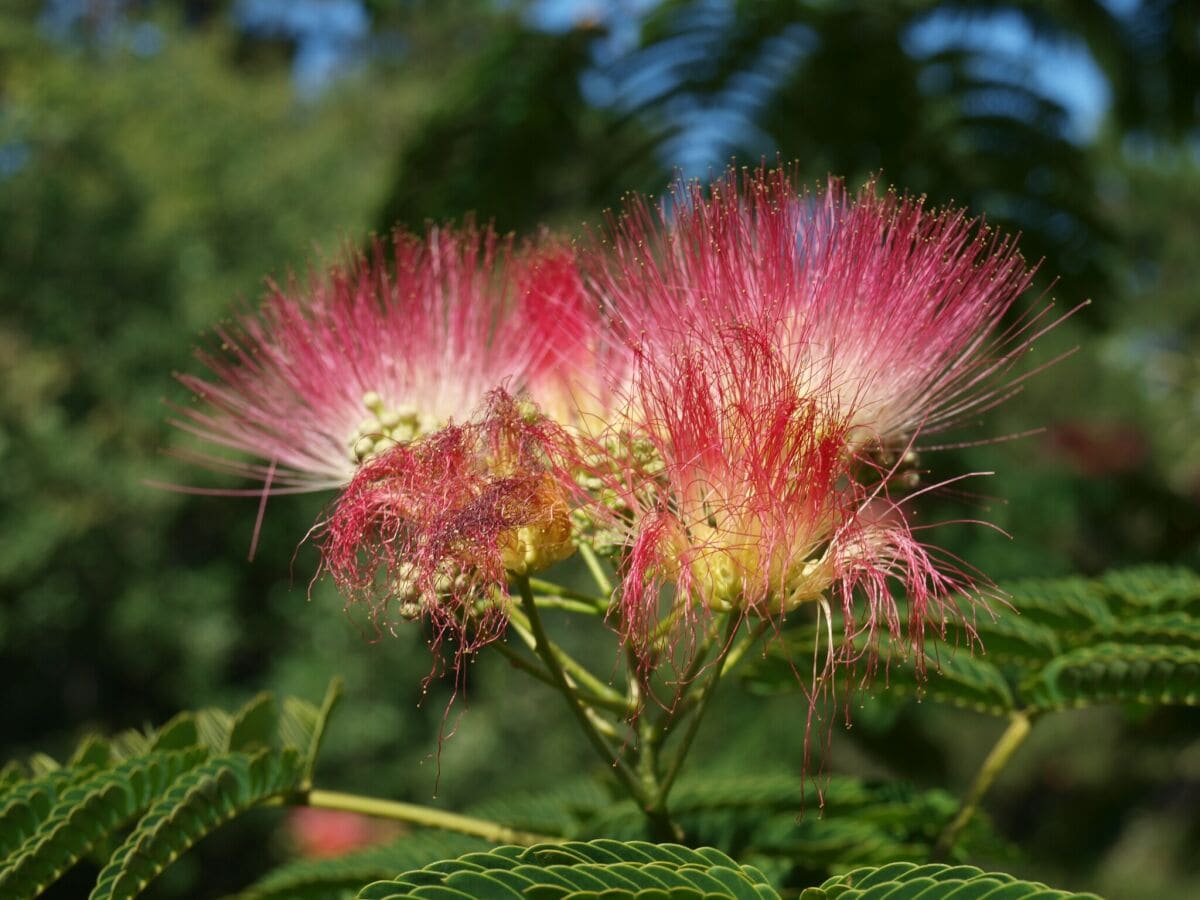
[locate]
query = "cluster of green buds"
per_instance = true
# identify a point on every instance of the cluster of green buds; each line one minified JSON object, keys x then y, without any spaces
{"x":412,"y":597}
{"x":601,"y":470}
{"x":386,"y":428}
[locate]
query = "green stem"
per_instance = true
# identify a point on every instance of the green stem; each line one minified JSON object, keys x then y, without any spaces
{"x":734,"y":656}
{"x":605,"y":695}
{"x":702,"y":701}
{"x":597,"y":569}
{"x":616,"y":705}
{"x":492,"y":832}
{"x":550,"y":589}
{"x":554,"y":666}
{"x":662,"y":829}
{"x":566,"y":603}
{"x":1018,"y":729}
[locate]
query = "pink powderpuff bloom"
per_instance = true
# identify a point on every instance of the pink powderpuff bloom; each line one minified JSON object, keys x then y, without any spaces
{"x":755,"y":502}
{"x":582,"y":378}
{"x":433,"y":529}
{"x":385,"y":348}
{"x":895,"y":310}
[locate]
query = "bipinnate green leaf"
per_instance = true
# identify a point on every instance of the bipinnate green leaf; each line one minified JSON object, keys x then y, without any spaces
{"x":11,"y":774}
{"x":302,"y":726}
{"x":1167,"y":629}
{"x":1010,"y":639}
{"x":952,"y":676}
{"x":93,"y":750}
{"x":1152,"y":589}
{"x":86,"y":814}
{"x":1131,"y":636}
{"x":1064,"y":604}
{"x":1117,"y":673}
{"x":613,"y":870}
{"x":178,"y":733}
{"x":254,"y":725}
{"x":782,"y":826}
{"x":27,"y":805}
{"x":196,"y":804}
{"x":933,"y":881}
{"x":176,"y":785}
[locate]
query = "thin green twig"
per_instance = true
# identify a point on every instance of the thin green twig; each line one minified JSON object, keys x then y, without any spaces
{"x":566,"y":603}
{"x":597,"y":569}
{"x":553,"y":664}
{"x":589,"y":699}
{"x":606,"y":696}
{"x":685,"y":703}
{"x":705,"y":696}
{"x":1019,"y":725}
{"x":550,"y":589}
{"x":493,"y":832}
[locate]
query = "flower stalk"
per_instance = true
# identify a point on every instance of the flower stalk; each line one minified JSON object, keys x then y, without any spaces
{"x":414,"y":814}
{"x":703,"y":698}
{"x":554,"y":666}
{"x":1014,"y":735}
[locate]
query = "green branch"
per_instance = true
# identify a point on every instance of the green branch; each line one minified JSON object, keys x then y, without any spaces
{"x":554,"y":666}
{"x":613,"y":704}
{"x":549,"y":589}
{"x":597,"y":569}
{"x":701,"y":706}
{"x":492,"y":832}
{"x":1012,"y":738}
{"x":605,"y":696}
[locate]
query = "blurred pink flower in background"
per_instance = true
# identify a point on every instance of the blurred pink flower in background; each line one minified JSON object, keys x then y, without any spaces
{"x":321,"y":833}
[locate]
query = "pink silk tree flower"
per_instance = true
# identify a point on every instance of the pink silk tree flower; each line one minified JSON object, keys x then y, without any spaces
{"x":895,"y":310}
{"x":384,"y":349}
{"x":581,"y":380}
{"x":755,"y":502}
{"x":434,"y":528}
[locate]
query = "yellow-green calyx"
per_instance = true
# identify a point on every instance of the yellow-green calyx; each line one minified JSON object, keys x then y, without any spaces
{"x":725,"y":576}
{"x":546,"y":540}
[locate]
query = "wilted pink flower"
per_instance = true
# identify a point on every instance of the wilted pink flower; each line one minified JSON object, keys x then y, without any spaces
{"x":433,"y":529}
{"x":381,"y":350}
{"x":894,"y":310}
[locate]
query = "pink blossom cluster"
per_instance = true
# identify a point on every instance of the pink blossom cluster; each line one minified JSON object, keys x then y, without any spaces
{"x":721,"y":392}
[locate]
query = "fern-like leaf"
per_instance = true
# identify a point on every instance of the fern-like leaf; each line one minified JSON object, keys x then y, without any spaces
{"x":196,"y":804}
{"x":1152,"y":589}
{"x":1164,"y":629}
{"x":1117,"y":673}
{"x":934,"y":881}
{"x":194,"y":773}
{"x":86,"y":814}
{"x":1064,"y":604}
{"x":254,"y":725}
{"x":595,"y":869}
{"x":953,"y":676}
{"x":28,"y":803}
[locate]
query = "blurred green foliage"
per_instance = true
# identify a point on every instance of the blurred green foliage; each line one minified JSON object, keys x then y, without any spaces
{"x":153,"y":193}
